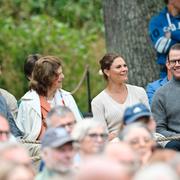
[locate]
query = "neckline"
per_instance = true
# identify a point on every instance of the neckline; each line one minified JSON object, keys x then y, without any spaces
{"x":112,"y":99}
{"x":177,"y":81}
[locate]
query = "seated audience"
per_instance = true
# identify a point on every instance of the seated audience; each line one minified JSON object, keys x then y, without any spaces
{"x":91,"y":137}
{"x":163,"y":155}
{"x":123,"y":154}
{"x":154,"y":86}
{"x":165,"y":104}
{"x":61,"y":116}
{"x":11,"y":171}
{"x":140,"y":139}
{"x":43,"y":95}
{"x":156,"y":171}
{"x":98,"y":168}
{"x":15,"y":153}
{"x":139,"y":113}
{"x":164,"y":31}
{"x":109,"y":105}
{"x":57,"y":153}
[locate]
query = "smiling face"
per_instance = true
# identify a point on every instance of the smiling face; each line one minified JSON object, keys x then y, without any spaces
{"x":174,"y":63}
{"x":118,"y":72}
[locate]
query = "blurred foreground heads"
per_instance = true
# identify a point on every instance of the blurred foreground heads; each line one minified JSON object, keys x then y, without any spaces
{"x":16,"y":163}
{"x":15,"y":153}
{"x":139,"y":113}
{"x":9,"y":171}
{"x":61,"y":116}
{"x":156,"y":171}
{"x":91,"y":137}
{"x":98,"y":168}
{"x":140,"y":139}
{"x":57,"y":153}
{"x":122,"y":153}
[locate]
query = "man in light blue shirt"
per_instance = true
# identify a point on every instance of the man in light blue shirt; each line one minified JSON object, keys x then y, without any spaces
{"x":155,"y":85}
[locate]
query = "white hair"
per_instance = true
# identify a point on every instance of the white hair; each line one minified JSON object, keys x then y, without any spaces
{"x":83,"y":127}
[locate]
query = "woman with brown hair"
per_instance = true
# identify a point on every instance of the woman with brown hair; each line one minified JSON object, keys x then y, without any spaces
{"x":45,"y":93}
{"x":109,"y":105}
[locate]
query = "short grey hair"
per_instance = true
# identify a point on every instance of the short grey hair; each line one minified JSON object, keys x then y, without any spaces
{"x":82,"y":128}
{"x":60,"y":111}
{"x":127,"y":129}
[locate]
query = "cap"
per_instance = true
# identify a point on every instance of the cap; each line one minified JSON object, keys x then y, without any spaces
{"x":55,"y":137}
{"x":135,"y":112}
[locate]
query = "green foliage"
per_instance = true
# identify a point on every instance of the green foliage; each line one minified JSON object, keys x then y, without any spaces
{"x":71,"y":30}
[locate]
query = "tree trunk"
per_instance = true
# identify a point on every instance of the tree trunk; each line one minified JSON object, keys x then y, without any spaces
{"x":126,"y":30}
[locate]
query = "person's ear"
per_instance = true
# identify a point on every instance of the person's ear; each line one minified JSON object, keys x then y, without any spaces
{"x":168,"y":65}
{"x":106,"y":72}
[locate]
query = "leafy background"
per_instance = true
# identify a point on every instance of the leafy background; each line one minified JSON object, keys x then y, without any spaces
{"x":70,"y":29}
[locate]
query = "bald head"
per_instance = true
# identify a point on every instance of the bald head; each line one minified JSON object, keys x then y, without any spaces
{"x":122,"y":153}
{"x":103,"y":169}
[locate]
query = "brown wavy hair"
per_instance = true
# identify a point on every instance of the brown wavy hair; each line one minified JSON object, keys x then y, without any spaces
{"x":107,"y":61}
{"x":44,"y":73}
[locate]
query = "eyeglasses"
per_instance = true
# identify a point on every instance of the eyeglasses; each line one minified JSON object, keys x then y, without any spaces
{"x":173,"y":62}
{"x":95,"y":136}
{"x":70,"y":124}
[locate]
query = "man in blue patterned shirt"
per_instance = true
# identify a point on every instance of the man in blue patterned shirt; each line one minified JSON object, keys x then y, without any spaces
{"x":164,"y":31}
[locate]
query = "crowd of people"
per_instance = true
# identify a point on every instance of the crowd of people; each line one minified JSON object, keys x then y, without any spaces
{"x":44,"y":136}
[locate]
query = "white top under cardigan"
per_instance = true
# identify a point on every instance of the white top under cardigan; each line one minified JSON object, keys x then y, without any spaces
{"x":29,"y":112}
{"x":110,"y":112}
